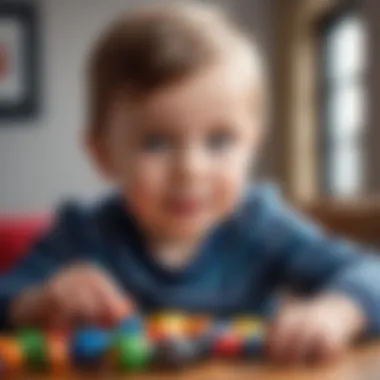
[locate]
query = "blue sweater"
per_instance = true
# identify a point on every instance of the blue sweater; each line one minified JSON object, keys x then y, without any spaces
{"x":246,"y":259}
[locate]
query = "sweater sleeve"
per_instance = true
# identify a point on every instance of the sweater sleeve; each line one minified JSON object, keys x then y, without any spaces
{"x":63,"y":244}
{"x":309,"y":261}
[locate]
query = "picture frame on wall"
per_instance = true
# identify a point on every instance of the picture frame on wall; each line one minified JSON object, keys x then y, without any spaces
{"x":19,"y":79}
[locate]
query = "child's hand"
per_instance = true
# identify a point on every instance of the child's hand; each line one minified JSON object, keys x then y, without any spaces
{"x":81,"y":294}
{"x":320,"y":329}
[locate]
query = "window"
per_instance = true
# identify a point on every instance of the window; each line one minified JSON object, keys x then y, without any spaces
{"x":344,"y":104}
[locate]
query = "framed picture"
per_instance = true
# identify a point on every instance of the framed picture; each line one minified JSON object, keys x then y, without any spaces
{"x":19,"y":79}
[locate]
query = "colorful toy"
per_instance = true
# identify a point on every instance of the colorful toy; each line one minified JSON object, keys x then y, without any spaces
{"x":138,"y":343}
{"x":198,"y":326}
{"x":246,"y":326}
{"x":133,"y":353}
{"x":167,"y":325}
{"x":58,"y":353}
{"x":34,"y":347}
{"x":178,"y":352}
{"x":11,"y":356}
{"x":132,"y":326}
{"x":90,"y":346}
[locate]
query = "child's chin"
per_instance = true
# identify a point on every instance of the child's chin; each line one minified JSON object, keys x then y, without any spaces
{"x":189,"y":229}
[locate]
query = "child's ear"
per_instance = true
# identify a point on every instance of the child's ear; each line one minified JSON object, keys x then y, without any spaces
{"x":96,"y":148}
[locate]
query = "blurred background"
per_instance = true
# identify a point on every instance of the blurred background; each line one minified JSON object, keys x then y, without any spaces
{"x":324,"y":62}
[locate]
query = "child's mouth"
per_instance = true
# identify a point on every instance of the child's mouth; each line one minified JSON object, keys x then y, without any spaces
{"x":186,"y":206}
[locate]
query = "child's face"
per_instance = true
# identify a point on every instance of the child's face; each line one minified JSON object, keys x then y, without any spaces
{"x":182,"y":156}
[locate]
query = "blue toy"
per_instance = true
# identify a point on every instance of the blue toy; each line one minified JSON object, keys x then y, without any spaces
{"x":89,"y":346}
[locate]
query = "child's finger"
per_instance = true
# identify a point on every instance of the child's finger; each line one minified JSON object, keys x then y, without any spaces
{"x":87,"y":307}
{"x":300,"y":344}
{"x":278,"y":335}
{"x":57,"y":306}
{"x":112,"y":304}
{"x":328,"y":348}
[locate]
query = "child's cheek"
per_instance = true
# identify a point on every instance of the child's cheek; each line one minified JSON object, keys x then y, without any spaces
{"x":147,"y":176}
{"x":232,"y":177}
{"x":144,"y":183}
{"x":231,"y":185}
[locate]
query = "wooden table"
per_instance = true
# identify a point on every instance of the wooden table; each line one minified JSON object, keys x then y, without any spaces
{"x":359,"y":364}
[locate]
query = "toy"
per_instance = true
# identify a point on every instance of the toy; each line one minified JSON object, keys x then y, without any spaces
{"x":169,"y":339}
{"x":167,"y":325}
{"x":178,"y":352}
{"x":11,"y":356}
{"x":34,"y":346}
{"x":228,"y":345}
{"x":240,"y":337}
{"x":132,"y":326}
{"x":133,"y":352}
{"x":90,"y":346}
{"x":246,"y":326}
{"x":198,"y":326}
{"x":58,"y":353}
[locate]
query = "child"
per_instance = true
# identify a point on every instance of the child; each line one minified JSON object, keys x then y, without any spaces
{"x":176,"y":117}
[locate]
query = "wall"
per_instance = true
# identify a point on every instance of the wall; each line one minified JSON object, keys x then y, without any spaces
{"x":41,"y":161}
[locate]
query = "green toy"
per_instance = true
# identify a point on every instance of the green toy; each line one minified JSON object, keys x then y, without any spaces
{"x":133,"y":353}
{"x":34,"y":346}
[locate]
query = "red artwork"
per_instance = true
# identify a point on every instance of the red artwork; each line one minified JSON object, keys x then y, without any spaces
{"x":3,"y":62}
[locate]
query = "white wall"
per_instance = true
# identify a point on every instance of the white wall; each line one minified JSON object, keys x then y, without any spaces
{"x":41,"y":161}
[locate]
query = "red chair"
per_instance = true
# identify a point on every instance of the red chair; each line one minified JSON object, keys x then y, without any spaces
{"x":17,"y":236}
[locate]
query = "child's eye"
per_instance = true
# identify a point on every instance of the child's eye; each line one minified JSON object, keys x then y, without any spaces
{"x":155,"y":143}
{"x":220,"y":140}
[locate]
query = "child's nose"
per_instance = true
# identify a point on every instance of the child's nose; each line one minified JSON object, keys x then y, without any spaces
{"x":190,"y":164}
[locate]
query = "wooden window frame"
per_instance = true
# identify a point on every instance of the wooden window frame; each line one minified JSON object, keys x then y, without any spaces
{"x":297,"y":100}
{"x":325,"y":23}
{"x":299,"y":96}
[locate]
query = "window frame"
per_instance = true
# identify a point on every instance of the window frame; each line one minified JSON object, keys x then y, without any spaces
{"x":323,"y":28}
